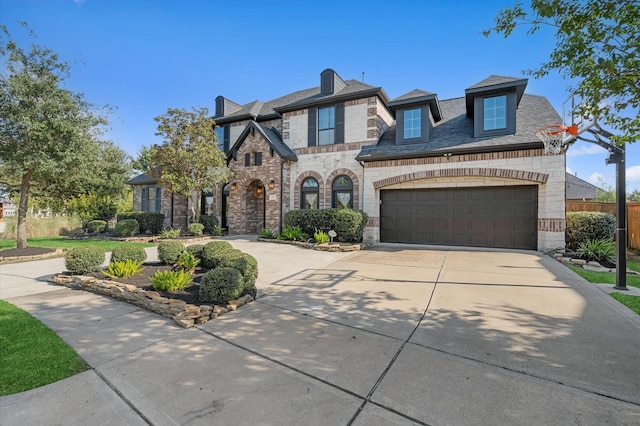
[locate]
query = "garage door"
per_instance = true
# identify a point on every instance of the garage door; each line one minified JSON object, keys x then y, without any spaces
{"x":504,"y":216}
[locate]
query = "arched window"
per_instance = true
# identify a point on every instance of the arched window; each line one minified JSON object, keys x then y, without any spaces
{"x":309,"y":194}
{"x":342,"y":193}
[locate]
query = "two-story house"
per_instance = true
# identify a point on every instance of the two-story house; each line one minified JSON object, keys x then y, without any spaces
{"x":467,"y":171}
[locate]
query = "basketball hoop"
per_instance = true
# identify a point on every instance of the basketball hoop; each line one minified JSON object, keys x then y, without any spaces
{"x":555,"y":137}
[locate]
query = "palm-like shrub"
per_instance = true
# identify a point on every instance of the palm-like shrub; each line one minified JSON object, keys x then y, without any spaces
{"x":186,"y":262}
{"x":599,"y":250}
{"x":170,"y":280}
{"x":123,"y":269}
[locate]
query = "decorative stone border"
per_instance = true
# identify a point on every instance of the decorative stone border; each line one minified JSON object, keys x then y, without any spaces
{"x":315,"y":246}
{"x":184,"y":314}
{"x":588,"y":265}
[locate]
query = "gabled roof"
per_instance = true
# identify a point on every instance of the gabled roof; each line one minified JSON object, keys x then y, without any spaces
{"x":146,"y":178}
{"x":494,"y":84}
{"x":416,"y":97}
{"x":578,"y":189}
{"x":300,"y":99}
{"x":454,"y":134}
{"x":269,"y":134}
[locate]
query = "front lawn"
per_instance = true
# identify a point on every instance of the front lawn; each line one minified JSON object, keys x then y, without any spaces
{"x":631,"y":302}
{"x":32,"y":354}
{"x":68,"y":243}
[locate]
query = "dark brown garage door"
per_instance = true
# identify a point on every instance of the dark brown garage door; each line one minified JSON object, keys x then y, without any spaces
{"x":504,"y":216}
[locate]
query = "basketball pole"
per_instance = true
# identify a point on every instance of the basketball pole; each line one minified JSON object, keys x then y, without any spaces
{"x":621,"y":220}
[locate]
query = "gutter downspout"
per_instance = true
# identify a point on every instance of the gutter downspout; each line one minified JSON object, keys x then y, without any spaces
{"x":281,"y":196}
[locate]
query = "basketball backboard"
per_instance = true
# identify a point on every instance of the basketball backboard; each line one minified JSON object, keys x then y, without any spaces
{"x":573,"y":116}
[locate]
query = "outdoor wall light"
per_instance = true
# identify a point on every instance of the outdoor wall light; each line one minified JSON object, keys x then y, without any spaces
{"x":271,"y":184}
{"x":259,"y":190}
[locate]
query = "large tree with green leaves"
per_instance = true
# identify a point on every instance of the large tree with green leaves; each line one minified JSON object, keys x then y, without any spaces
{"x":189,"y":160}
{"x":48,"y":134}
{"x":597,"y":46}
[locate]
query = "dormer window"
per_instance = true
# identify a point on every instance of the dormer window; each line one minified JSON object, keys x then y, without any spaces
{"x":412,"y":123}
{"x":495,"y":113}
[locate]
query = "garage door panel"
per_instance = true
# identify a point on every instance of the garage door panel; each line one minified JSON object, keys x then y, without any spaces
{"x":480,"y":216}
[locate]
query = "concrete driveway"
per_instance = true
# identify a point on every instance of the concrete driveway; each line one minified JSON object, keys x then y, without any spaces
{"x":394,"y":334}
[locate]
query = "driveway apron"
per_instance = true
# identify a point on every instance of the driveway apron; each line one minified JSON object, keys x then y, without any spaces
{"x":394,"y":334}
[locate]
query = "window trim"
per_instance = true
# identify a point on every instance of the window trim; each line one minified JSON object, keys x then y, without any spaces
{"x":412,"y":120}
{"x":335,"y":190}
{"x":310,"y":189}
{"x":494,"y":109}
{"x":145,"y":199}
{"x":510,"y":112}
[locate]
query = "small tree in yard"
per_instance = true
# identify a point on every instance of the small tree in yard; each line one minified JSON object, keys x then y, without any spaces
{"x":598,"y":45}
{"x":48,"y":135}
{"x":189,"y":159}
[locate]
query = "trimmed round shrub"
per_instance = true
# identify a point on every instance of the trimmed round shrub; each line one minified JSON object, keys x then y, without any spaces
{"x":210,"y":222}
{"x":96,"y":226}
{"x":583,"y":227}
{"x":212,"y":251}
{"x":195,"y":229}
{"x":126,"y":252}
{"x":127,"y":228}
{"x":349,"y":224}
{"x":170,"y":251}
{"x":81,"y":260}
{"x":195,"y":249}
{"x":246,"y":264}
{"x":220,"y":285}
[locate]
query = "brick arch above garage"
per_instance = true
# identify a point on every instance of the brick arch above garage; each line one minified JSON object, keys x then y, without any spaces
{"x":464,"y":172}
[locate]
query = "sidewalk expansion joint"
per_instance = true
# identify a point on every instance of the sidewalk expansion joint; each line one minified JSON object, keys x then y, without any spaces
{"x":122,"y":397}
{"x":398,"y":352}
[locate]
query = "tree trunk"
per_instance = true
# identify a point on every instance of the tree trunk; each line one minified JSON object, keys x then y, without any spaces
{"x":21,"y":229}
{"x":195,"y":206}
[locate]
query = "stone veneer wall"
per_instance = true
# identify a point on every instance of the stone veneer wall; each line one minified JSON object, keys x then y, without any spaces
{"x":179,"y":218}
{"x":245,"y":206}
{"x":474,"y":170}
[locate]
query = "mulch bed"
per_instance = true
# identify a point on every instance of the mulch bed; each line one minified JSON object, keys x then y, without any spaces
{"x":26,"y":252}
{"x":189,"y":294}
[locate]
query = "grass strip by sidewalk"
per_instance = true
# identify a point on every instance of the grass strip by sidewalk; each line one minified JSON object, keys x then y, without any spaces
{"x":631,"y":302}
{"x":32,"y":354}
{"x":69,"y":243}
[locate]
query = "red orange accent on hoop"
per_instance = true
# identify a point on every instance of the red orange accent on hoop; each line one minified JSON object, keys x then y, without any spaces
{"x":559,"y":128}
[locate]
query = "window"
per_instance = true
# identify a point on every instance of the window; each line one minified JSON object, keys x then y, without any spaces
{"x":412,"y":123}
{"x":206,"y":203}
{"x":326,"y":125}
{"x":495,"y":113}
{"x":247,"y":159}
{"x":220,"y":138}
{"x":257,"y":160}
{"x":309,"y":194}
{"x":342,"y":189}
{"x":151,"y":199}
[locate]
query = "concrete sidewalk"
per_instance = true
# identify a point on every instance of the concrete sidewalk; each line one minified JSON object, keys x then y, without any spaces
{"x":394,"y":334}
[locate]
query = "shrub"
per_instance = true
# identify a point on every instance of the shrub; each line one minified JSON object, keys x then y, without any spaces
{"x":195,"y":249}
{"x":217,"y":230}
{"x":585,"y":226}
{"x":267,"y":233}
{"x":220,"y":285}
{"x":148,"y":222}
{"x":246,"y":264}
{"x":123,"y":269}
{"x":195,"y":229}
{"x":127,"y":228}
{"x":600,"y":250}
{"x":170,"y":280}
{"x":186,"y":262}
{"x":321,"y":237}
{"x":96,"y":226}
{"x":170,"y":233}
{"x":170,"y":251}
{"x":212,"y":251}
{"x":348,"y":223}
{"x":209,"y":222}
{"x":81,"y":260}
{"x":292,"y":234}
{"x":126,"y":252}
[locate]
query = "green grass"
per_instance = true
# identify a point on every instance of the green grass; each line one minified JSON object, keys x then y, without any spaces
{"x":68,"y":243}
{"x":631,"y":302}
{"x":32,"y":354}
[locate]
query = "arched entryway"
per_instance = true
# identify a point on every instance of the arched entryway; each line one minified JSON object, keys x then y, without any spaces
{"x":255,"y":207}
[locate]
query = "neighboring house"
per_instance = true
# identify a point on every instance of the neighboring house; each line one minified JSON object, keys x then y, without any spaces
{"x":578,"y":189}
{"x":467,"y":171}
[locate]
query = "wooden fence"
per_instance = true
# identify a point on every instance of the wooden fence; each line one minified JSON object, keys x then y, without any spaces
{"x":633,"y":216}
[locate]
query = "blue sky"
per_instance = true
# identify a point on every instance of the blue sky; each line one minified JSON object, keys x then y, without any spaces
{"x":142,"y":57}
